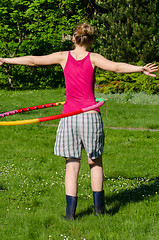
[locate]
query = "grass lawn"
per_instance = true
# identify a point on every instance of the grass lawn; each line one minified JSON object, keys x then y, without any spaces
{"x":32,"y":197}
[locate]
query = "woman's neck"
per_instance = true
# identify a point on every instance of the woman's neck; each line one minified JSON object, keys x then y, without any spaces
{"x":80,"y":48}
{"x":79,"y":52}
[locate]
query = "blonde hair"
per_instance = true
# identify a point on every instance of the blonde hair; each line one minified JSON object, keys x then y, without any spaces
{"x":84,"y":34}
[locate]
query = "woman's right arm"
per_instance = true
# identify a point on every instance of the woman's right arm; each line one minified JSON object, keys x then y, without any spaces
{"x":55,"y":58}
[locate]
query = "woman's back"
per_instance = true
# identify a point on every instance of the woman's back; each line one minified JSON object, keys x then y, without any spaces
{"x":80,"y":80}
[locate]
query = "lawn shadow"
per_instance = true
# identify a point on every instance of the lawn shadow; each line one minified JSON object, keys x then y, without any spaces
{"x":116,"y":201}
{"x":3,"y":187}
{"x":87,"y":212}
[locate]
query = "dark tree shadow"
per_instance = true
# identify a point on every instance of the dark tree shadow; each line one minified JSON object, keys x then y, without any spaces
{"x":116,"y":201}
{"x":3,"y":187}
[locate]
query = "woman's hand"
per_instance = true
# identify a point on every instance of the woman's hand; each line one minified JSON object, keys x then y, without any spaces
{"x":149,"y":68}
{"x":1,"y":61}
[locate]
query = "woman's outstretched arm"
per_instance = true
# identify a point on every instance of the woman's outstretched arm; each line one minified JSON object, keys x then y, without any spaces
{"x":55,"y":58}
{"x":103,"y":63}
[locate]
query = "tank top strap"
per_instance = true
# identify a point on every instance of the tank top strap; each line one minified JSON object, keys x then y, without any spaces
{"x":70,"y":56}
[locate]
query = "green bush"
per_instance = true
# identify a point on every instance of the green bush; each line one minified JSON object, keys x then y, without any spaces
{"x":24,"y":78}
{"x":109,"y":82}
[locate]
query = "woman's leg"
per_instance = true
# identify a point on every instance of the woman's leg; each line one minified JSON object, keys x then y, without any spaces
{"x":96,"y":173}
{"x":71,"y":186}
{"x":71,"y":176}
{"x":97,"y":184}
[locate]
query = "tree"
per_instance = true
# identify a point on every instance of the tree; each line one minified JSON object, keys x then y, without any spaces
{"x":125,"y":31}
{"x":130,"y":31}
{"x":36,"y":28}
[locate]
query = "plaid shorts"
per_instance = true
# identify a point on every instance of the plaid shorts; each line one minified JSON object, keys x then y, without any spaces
{"x":80,"y":131}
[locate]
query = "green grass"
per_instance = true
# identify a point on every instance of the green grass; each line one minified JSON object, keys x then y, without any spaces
{"x":32,"y":197}
{"x":131,"y":110}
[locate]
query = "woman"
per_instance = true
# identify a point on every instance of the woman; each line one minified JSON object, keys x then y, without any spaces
{"x":86,"y":129}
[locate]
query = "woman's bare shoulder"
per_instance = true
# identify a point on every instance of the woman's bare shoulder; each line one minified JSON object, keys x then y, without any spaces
{"x":96,"y":58}
{"x":96,"y":55}
{"x":61,"y":54}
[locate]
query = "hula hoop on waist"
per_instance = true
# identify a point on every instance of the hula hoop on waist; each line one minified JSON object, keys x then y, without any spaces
{"x":43,"y":119}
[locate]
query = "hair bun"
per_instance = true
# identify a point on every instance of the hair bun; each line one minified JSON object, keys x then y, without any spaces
{"x":84,"y":34}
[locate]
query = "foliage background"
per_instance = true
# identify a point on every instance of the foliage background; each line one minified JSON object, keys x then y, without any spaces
{"x":125,"y":31}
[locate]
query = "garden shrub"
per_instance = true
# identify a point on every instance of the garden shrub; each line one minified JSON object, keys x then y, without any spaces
{"x":109,"y":82}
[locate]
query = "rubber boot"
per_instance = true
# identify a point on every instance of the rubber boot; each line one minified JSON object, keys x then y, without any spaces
{"x":71,"y":207}
{"x":99,"y":206}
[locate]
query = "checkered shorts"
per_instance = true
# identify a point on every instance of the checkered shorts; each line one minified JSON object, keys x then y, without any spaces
{"x":80,"y":131}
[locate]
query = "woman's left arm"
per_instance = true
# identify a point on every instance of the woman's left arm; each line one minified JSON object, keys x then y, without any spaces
{"x":55,"y":58}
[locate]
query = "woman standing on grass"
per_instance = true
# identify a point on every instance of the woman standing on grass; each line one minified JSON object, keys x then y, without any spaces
{"x":86,"y":129}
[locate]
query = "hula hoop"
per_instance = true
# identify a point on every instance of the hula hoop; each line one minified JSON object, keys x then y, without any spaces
{"x":43,"y":119}
{"x":31,"y":109}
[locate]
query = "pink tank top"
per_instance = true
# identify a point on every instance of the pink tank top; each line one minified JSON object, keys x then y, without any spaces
{"x":79,"y":79}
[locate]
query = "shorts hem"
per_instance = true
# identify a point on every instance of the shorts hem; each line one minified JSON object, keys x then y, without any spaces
{"x":95,"y":157}
{"x":64,"y":156}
